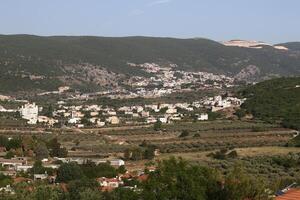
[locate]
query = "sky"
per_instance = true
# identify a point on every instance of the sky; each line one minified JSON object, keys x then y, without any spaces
{"x":272,"y":21}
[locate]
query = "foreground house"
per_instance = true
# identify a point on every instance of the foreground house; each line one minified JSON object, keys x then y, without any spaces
{"x":109,"y":184}
{"x":292,"y":194}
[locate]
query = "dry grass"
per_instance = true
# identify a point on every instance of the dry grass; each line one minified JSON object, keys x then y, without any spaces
{"x":242,"y":152}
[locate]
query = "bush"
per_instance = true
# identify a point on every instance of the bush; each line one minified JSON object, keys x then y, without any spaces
{"x":184,"y":133}
{"x":68,"y":172}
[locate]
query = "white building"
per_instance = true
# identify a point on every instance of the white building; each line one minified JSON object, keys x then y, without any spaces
{"x":23,"y":168}
{"x":113,"y":120}
{"x":30,"y":112}
{"x":203,"y":117}
{"x":163,"y":120}
{"x":171,"y":111}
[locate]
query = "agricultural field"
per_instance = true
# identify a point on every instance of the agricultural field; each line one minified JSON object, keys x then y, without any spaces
{"x":201,"y":136}
{"x":259,"y":147}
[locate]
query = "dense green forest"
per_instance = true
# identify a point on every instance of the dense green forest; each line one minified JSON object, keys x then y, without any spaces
{"x":276,"y":100}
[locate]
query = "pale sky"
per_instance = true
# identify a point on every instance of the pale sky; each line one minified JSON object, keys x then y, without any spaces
{"x":272,"y":21}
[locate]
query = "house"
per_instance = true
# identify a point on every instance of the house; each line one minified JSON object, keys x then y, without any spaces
{"x":2,"y":149}
{"x":30,"y":113}
{"x":114,"y":163}
{"x":143,"y":177}
{"x":171,"y":111}
{"x":112,"y":113}
{"x":47,"y":120}
{"x":38,"y":177}
{"x":135,"y":115}
{"x":11,"y":164}
{"x":289,"y":193}
{"x":113,"y":120}
{"x":117,"y":163}
{"x":93,"y":113}
{"x":203,"y":117}
{"x":79,"y":125}
{"x":163,"y":120}
{"x":110,"y":182}
{"x":11,"y":173}
{"x":150,"y":120}
{"x":93,"y":120}
{"x":100,"y":124}
{"x":74,"y":120}
{"x":139,"y":109}
{"x":7,"y":189}
{"x":145,"y":114}
{"x":23,"y":168}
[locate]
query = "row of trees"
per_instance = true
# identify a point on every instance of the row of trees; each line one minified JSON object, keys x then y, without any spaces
{"x":30,"y":145}
{"x":173,"y":179}
{"x":143,"y":151}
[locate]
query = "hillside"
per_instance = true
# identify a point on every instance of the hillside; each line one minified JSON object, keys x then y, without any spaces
{"x":44,"y":63}
{"x":276,"y":100}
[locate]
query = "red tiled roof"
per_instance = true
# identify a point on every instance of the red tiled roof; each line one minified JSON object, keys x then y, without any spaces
{"x":21,"y":179}
{"x":143,"y":177}
{"x":292,"y":194}
{"x":106,"y":189}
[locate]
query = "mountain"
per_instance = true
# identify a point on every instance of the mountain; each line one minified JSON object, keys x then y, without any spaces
{"x":294,"y":46}
{"x":276,"y":100}
{"x":30,"y":62}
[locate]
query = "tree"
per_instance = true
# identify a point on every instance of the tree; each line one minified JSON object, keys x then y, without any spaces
{"x":176,"y":179}
{"x":3,"y":141}
{"x":28,"y":143}
{"x":232,"y":154}
{"x":91,"y":170}
{"x":240,"y":113}
{"x":43,"y":192}
{"x":124,"y":194}
{"x":68,"y":172}
{"x":184,"y":133}
{"x":49,"y":111}
{"x":9,"y":155}
{"x":41,"y":151}
{"x":89,"y":194}
{"x":122,"y":170}
{"x":134,"y":154}
{"x":239,"y":185}
{"x":5,"y":180}
{"x":157,"y":125}
{"x":79,"y":188}
{"x":37,"y":168}
{"x":14,"y":143}
{"x":149,"y":152}
{"x":56,"y":150}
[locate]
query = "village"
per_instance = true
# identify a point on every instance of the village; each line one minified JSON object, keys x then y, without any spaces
{"x":99,"y":116}
{"x":44,"y":162}
{"x":43,"y":165}
{"x":163,"y":81}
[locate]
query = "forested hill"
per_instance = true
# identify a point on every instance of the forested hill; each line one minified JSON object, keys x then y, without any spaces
{"x":23,"y":56}
{"x":276,"y":100}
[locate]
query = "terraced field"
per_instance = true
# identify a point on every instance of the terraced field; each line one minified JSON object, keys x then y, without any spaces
{"x":203,"y":136}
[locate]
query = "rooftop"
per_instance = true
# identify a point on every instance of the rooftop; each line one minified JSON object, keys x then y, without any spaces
{"x":292,"y":194}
